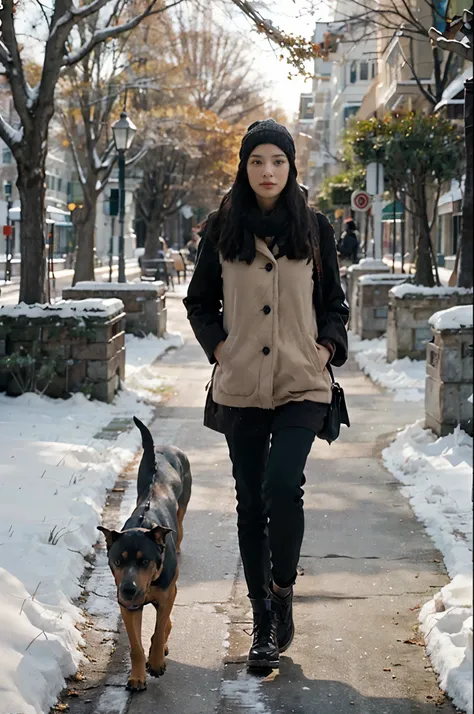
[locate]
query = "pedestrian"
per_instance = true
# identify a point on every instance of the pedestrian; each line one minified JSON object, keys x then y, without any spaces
{"x":348,"y":244}
{"x":266,"y":304}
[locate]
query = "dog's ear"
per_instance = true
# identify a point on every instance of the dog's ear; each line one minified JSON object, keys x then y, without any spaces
{"x":110,"y":536}
{"x":159,"y":533}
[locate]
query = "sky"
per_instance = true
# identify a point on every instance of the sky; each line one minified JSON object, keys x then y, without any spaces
{"x":291,"y":16}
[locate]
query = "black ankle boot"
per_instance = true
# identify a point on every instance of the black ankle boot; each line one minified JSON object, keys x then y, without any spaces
{"x":264,"y":650}
{"x":283,"y":609}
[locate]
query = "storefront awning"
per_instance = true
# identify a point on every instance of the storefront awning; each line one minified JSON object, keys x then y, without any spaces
{"x":388,"y":210}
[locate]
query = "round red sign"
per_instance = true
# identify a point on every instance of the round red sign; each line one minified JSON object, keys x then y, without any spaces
{"x":360,"y":201}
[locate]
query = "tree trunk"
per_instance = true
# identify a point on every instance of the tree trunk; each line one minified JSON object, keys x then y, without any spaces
{"x":153,"y":233}
{"x":30,"y":183}
{"x":423,"y":258}
{"x":465,"y":277}
{"x":85,"y":232}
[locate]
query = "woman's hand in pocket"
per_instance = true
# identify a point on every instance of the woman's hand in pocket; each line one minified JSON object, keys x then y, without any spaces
{"x":218,"y":350}
{"x":325,"y":354}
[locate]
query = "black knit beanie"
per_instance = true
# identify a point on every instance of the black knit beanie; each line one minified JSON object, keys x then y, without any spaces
{"x":267,"y":131}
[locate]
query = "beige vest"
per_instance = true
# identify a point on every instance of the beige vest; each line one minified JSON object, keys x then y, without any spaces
{"x":270,"y":356}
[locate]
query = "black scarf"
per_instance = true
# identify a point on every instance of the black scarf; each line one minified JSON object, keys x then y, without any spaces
{"x":263,"y":225}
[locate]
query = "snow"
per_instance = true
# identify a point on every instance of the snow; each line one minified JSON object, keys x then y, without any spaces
{"x":369,"y":263}
{"x":437,"y":478}
{"x":55,"y":469}
{"x":119,"y":287}
{"x":14,"y":136}
{"x":381,"y":278}
{"x":404,"y":377}
{"x":141,"y":352}
{"x":245,"y":693}
{"x":65,"y":308}
{"x":454,"y":318}
{"x":401,"y":291}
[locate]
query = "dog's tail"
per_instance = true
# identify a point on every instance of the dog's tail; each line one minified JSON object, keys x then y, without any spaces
{"x":147,"y":469}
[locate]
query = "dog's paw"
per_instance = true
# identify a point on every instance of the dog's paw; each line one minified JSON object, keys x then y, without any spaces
{"x":156,"y":669}
{"x":136,"y":684}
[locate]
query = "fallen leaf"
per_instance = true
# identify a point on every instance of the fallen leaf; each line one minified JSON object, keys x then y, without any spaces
{"x":420,"y":643}
{"x":61,"y":707}
{"x":387,"y":669}
{"x":412,"y":609}
{"x":72,"y":693}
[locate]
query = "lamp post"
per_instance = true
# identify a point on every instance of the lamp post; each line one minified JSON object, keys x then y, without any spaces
{"x":124,"y":130}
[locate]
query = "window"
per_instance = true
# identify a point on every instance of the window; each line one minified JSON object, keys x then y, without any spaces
{"x":350,"y":111}
{"x":53,"y":183}
{"x":353,"y":72}
{"x":364,"y":70}
{"x":374,"y":69}
{"x":59,"y":184}
{"x":6,"y":155}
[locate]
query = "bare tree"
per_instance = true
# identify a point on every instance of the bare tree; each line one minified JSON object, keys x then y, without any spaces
{"x":28,"y":141}
{"x":216,"y":66}
{"x":62,"y":47}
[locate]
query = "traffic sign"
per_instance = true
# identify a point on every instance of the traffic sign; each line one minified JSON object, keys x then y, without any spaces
{"x":7,"y":230}
{"x":360,"y":201}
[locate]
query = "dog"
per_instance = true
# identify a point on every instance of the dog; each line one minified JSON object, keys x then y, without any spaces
{"x":143,"y":557}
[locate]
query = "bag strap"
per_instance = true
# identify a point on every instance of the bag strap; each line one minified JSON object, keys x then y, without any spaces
{"x":331,"y":373}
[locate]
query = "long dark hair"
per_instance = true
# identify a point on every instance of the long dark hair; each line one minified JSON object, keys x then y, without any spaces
{"x":228,"y":226}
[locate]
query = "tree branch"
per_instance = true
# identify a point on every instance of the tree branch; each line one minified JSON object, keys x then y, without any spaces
{"x":12,"y":62}
{"x":109,"y":32}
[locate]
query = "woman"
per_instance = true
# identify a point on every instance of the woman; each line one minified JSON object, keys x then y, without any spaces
{"x":266,"y":305}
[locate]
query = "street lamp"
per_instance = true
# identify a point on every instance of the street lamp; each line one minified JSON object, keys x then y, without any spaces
{"x":124,"y":130}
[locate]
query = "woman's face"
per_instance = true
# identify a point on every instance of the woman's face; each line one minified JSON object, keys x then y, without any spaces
{"x":268,"y":169}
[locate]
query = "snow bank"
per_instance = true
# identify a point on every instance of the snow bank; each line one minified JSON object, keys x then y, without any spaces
{"x":65,"y":308}
{"x":406,"y":378}
{"x":119,"y":287}
{"x":141,"y":353}
{"x":454,"y":318}
{"x":437,"y":478}
{"x":400,"y":291}
{"x":54,"y":474}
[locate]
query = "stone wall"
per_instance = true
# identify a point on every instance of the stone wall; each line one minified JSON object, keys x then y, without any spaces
{"x":73,"y":346}
{"x":354,"y":272}
{"x":144,"y":303}
{"x":449,"y":380}
{"x":370,"y":312}
{"x":409,"y":309}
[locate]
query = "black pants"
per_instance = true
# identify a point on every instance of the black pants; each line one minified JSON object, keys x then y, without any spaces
{"x":268,"y":469}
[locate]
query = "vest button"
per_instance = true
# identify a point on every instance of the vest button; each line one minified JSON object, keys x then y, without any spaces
{"x":267,"y":309}
{"x":266,"y":351}
{"x":269,"y":267}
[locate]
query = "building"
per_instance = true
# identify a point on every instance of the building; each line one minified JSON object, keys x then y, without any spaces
{"x":58,"y":227}
{"x":404,"y":69}
{"x":342,"y":77}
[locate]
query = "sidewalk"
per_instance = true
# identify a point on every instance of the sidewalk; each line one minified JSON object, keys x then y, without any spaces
{"x":9,"y":291}
{"x":368,"y":563}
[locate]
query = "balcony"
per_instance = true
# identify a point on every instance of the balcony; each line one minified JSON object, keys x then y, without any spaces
{"x":401,"y":92}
